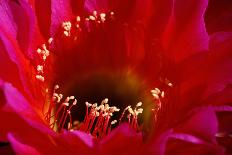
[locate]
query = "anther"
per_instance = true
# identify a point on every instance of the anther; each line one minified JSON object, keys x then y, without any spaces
{"x":40,"y":77}
{"x":40,"y":68}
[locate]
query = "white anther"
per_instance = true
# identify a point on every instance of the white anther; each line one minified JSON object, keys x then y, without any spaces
{"x":68,"y":111}
{"x":66,"y":104}
{"x":139,"y":104}
{"x":44,"y":47}
{"x":75,"y":102}
{"x":102,"y":16}
{"x":66,"y":33}
{"x":155,"y":91}
{"x":131,"y":111}
{"x":44,"y":57}
{"x":101,"y":107}
{"x":170,"y":84}
{"x":128,"y":107}
{"x":46,"y":53}
{"x":107,"y":107}
{"x":94,"y":105}
{"x":58,"y":99}
{"x":106,"y":100}
{"x":78,"y":18}
{"x":67,"y":99}
{"x":56,"y":87}
{"x":61,"y":96}
{"x":40,"y":77}
{"x":113,"y":122}
{"x":111,"y":13}
{"x":40,"y":68}
{"x":50,"y":40}
{"x":155,"y":96}
{"x":116,"y":109}
{"x":71,"y":97}
{"x":139,"y":111}
{"x":95,"y":13}
{"x":39,"y":51}
{"x":92,"y":18}
{"x":162,"y":94}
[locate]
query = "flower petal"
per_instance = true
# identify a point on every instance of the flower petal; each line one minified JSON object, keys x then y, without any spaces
{"x":202,"y":124}
{"x":22,"y":149}
{"x":61,"y":11}
{"x":26,"y":71}
{"x":187,"y":144}
{"x":122,"y":140}
{"x":19,"y":21}
{"x":77,"y":142}
{"x":43,"y":17}
{"x":221,"y":63}
{"x":17,"y":108}
{"x":218,"y":16}
{"x":96,"y":5}
{"x":185,"y":33}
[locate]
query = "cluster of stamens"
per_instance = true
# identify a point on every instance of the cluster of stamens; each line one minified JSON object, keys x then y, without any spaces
{"x":43,"y":52}
{"x":70,"y":30}
{"x":97,"y":119}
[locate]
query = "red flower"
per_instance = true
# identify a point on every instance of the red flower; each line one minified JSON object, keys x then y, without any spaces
{"x":157,"y":52}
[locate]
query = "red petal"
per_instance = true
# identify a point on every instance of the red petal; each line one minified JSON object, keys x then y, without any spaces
{"x":26,"y":71}
{"x":15,"y":102}
{"x":19,"y":21}
{"x":22,"y":149}
{"x":185,"y":33}
{"x":218,"y":16}
{"x":185,"y":146}
{"x":122,"y":140}
{"x":202,"y":124}
{"x":77,"y":142}
{"x":220,"y":63}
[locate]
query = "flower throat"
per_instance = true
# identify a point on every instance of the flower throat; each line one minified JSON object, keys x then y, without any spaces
{"x":62,"y":111}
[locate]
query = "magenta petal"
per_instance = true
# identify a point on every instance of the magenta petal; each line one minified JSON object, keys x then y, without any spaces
{"x":77,"y":142}
{"x":86,"y":138}
{"x":7,"y":20}
{"x":20,"y":105}
{"x":13,"y":51}
{"x":185,"y":146}
{"x":188,"y":138}
{"x":185,"y":33}
{"x":96,"y":5}
{"x":202,"y":124}
{"x":158,"y":144}
{"x":61,"y":12}
{"x":221,"y":63}
{"x":18,"y":20}
{"x":124,"y":140}
{"x":20,"y":148}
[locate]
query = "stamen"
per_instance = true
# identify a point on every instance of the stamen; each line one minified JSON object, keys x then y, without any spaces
{"x":40,"y":77}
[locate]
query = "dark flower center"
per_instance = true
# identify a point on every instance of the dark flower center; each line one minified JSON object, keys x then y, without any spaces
{"x":122,"y":90}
